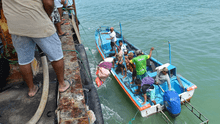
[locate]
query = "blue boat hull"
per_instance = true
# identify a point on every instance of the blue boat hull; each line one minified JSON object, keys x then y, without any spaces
{"x":103,"y":46}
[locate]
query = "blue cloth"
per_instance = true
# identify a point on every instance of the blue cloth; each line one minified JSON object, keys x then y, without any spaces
{"x":172,"y":102}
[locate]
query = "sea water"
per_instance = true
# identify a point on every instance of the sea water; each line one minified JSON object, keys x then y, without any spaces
{"x":192,"y":27}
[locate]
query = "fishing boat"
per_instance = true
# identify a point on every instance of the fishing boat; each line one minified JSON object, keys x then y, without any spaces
{"x":185,"y":92}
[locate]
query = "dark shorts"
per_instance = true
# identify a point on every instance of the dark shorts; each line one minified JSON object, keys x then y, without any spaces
{"x":112,"y":44}
{"x":134,"y":73}
{"x":118,"y":69}
{"x":145,"y":87}
{"x":121,"y":66}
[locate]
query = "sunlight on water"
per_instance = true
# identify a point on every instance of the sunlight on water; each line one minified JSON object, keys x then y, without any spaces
{"x":193,"y":29}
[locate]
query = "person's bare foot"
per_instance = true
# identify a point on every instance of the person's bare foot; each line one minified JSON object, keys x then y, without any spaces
{"x":154,"y":102}
{"x":143,"y":103}
{"x":136,"y":93}
{"x":132,"y":82}
{"x":65,"y":86}
{"x":32,"y":92}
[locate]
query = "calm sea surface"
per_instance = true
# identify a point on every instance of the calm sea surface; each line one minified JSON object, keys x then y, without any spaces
{"x":192,"y":27}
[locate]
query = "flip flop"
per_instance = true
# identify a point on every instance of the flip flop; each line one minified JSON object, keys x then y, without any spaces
{"x":64,"y":34}
{"x":70,"y":8}
{"x":70,"y":83}
{"x":38,"y":86}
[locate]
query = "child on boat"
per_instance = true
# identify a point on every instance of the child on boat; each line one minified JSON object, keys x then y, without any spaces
{"x":122,"y":46}
{"x":118,"y":60}
{"x":147,"y":89}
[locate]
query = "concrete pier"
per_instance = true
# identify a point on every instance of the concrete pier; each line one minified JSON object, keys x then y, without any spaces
{"x":17,"y":108}
{"x":71,"y":104}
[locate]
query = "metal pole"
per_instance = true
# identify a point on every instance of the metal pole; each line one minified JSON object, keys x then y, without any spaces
{"x":121,"y":30}
{"x":169,"y":51}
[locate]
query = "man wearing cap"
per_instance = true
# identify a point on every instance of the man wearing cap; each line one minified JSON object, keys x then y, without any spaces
{"x":130,"y":66}
{"x":112,"y":35}
{"x":140,"y":62}
{"x":162,"y":77}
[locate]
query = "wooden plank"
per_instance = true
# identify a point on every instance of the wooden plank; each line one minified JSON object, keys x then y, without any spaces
{"x":75,"y":28}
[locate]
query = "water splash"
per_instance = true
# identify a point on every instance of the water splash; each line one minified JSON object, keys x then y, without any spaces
{"x":109,"y":113}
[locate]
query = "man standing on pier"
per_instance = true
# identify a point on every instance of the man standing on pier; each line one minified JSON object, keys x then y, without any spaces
{"x":29,"y":24}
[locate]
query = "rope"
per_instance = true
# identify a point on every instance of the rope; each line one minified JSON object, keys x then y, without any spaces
{"x":10,"y":61}
{"x":130,"y":122}
{"x":87,"y":46}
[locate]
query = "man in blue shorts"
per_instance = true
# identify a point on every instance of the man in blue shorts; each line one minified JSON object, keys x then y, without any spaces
{"x":29,"y":24}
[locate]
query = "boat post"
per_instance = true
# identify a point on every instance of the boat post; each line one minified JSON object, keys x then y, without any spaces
{"x":169,"y":51}
{"x":121,"y":31}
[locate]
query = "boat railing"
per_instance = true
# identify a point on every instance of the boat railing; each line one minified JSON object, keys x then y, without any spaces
{"x":198,"y":114}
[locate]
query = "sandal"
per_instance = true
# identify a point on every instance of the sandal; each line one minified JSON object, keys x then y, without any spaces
{"x":70,"y":83}
{"x":64,"y":34}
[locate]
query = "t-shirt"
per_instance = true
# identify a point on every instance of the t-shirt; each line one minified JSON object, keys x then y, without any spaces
{"x":27,"y":18}
{"x":70,"y":2}
{"x":123,"y":47}
{"x":112,"y":34}
{"x":140,"y":62}
{"x":58,"y":4}
{"x":161,"y":78}
{"x":121,"y":53}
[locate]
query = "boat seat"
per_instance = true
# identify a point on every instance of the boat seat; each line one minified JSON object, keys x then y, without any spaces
{"x":162,"y":66}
